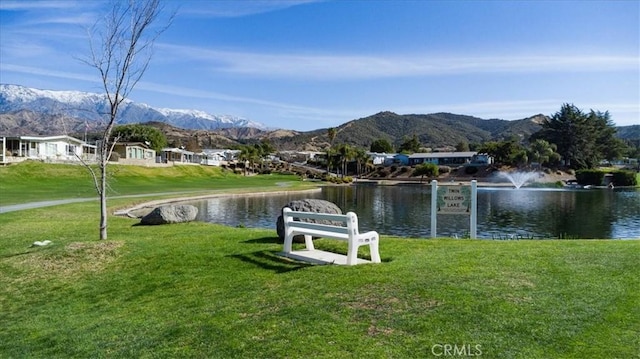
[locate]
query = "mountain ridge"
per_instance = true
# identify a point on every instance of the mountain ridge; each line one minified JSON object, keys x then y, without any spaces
{"x":90,"y":108}
{"x":41,"y":113}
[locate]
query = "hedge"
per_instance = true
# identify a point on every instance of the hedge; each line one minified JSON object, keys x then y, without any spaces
{"x":596,"y":177}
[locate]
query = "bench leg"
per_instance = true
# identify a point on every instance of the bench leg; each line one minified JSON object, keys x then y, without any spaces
{"x":308,"y":241}
{"x":373,"y":248}
{"x":352,"y":253}
{"x":288,"y":240}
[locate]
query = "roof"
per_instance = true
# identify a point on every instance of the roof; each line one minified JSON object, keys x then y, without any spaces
{"x":177,"y":150}
{"x":46,"y":138}
{"x":444,"y":155}
{"x":130,"y":144}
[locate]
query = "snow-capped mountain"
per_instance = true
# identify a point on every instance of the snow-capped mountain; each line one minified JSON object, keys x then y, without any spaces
{"x":91,"y":108}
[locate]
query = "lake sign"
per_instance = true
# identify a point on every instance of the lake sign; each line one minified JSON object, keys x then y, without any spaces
{"x":454,"y":199}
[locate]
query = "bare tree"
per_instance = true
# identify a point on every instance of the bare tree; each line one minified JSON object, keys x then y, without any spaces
{"x":121,"y":46}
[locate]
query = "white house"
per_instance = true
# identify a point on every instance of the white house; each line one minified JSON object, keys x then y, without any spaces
{"x":179,"y":156}
{"x":381,"y":158}
{"x":46,"y":148}
{"x":299,"y":156}
{"x":216,"y":157}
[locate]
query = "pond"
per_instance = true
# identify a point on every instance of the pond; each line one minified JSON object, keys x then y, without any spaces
{"x":503,"y":213}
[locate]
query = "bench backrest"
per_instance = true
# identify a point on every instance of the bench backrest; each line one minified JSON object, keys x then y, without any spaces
{"x":343,"y":223}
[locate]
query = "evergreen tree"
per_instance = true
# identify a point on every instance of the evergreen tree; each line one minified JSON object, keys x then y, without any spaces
{"x":141,"y":133}
{"x":505,"y":152}
{"x":381,"y":146}
{"x":582,"y":140}
{"x":410,"y":145}
{"x":462,"y":146}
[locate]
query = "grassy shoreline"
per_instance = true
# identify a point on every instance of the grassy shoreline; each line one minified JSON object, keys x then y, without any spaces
{"x":35,"y":181}
{"x":206,"y":290}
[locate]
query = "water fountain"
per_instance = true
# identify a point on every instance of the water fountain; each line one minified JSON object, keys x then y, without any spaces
{"x":518,"y":178}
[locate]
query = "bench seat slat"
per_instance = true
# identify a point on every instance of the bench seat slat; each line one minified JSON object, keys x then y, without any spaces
{"x":319,"y":230}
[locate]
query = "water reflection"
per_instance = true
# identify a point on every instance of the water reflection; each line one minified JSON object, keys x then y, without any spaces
{"x":405,"y":211}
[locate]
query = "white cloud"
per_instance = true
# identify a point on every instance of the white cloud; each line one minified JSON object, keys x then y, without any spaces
{"x":47,"y":72}
{"x":19,"y":5}
{"x":346,"y":67}
{"x":236,"y":8}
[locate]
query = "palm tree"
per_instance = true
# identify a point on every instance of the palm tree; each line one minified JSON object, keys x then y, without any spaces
{"x":362,"y":159}
{"x":249,"y":155}
{"x":331,"y":133}
{"x":346,"y":154}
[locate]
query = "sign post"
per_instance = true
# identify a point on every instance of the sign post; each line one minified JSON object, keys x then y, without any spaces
{"x":454,"y":199}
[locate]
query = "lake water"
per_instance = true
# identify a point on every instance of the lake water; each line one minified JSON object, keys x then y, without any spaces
{"x":405,"y":211}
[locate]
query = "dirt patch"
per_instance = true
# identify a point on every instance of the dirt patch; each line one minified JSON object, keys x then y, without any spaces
{"x":75,"y":258}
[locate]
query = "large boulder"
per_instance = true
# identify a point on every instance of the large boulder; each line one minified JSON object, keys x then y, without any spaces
{"x":172,"y":213}
{"x":307,"y":205}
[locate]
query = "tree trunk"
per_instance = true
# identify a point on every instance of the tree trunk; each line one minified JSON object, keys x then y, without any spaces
{"x":120,"y":54}
{"x":103,"y":200}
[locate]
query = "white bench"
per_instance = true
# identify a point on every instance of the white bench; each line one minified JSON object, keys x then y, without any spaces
{"x":345,"y":228}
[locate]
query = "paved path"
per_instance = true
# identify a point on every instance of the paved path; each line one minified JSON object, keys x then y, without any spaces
{"x":31,"y":205}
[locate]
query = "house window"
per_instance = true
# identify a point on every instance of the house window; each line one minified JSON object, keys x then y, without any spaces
{"x":50,"y":149}
{"x":71,"y":150}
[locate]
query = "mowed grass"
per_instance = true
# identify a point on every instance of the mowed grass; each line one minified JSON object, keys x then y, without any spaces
{"x":32,"y":181}
{"x":206,"y":290}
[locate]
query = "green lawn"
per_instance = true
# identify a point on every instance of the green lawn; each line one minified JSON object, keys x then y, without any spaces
{"x":35,"y":181}
{"x":205,"y":290}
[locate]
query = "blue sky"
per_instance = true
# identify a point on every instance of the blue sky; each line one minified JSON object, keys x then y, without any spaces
{"x":308,"y":65}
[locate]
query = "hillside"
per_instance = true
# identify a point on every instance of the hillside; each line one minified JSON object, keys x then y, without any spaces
{"x":27,"y":122}
{"x":28,"y":111}
{"x":629,"y":132}
{"x":439,"y":130}
{"x":434,"y":130}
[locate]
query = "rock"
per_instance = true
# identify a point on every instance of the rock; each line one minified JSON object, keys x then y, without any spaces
{"x":173,"y":213}
{"x":307,"y":205}
{"x":41,"y":244}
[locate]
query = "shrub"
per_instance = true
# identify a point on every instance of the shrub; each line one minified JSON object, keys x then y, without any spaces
{"x":624,"y":178}
{"x":426,"y":169}
{"x":444,"y":169}
{"x":383,"y":172}
{"x":470,"y":170}
{"x":589,"y":177}
{"x":404,"y":169}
